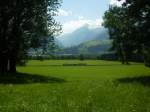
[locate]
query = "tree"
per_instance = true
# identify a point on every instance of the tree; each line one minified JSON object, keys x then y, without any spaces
{"x":139,"y":11}
{"x":24,"y":24}
{"x":118,"y":24}
{"x":129,"y":27}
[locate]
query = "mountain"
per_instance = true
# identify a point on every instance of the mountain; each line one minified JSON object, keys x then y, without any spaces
{"x":93,"y":47}
{"x":81,"y":35}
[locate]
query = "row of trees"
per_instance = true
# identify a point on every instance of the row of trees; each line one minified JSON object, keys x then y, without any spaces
{"x":24,"y":24}
{"x":129,"y":27}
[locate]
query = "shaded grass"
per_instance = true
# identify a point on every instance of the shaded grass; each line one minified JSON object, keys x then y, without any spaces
{"x":144,"y":80}
{"x":24,"y":78}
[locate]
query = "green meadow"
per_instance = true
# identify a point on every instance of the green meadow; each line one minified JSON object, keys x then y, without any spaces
{"x":76,"y":86}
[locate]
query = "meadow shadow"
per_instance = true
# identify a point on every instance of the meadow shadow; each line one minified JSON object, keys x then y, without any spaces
{"x":144,"y":80}
{"x":24,"y":78}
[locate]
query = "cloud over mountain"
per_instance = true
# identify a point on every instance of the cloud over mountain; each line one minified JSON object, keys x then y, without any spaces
{"x":72,"y":25}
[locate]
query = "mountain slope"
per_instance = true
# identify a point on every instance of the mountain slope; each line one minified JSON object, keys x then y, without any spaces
{"x":82,"y":35}
{"x":92,"y":47}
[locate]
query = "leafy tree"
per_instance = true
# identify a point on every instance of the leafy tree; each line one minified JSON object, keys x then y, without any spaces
{"x":117,"y":22}
{"x":24,"y":24}
{"x":129,"y":27}
{"x":139,"y":11}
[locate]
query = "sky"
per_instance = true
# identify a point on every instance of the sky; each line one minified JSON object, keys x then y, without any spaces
{"x":74,"y":14}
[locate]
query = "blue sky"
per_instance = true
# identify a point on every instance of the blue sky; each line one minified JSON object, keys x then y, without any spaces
{"x":77,"y":13}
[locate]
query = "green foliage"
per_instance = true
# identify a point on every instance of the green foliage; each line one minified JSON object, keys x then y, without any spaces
{"x":139,"y":11}
{"x":128,"y":26}
{"x":44,"y":87}
{"x":118,"y":24}
{"x":25,"y":24}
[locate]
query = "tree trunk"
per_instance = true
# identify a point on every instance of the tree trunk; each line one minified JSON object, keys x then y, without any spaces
{"x":3,"y":64}
{"x":0,"y":63}
{"x":7,"y":64}
{"x":121,"y":56}
{"x":146,"y":55}
{"x":12,"y":65}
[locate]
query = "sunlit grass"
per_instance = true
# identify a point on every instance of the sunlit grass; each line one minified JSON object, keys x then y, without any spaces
{"x":101,"y":86}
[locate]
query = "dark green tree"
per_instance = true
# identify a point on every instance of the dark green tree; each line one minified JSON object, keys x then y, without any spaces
{"x":139,"y":11}
{"x":129,"y":27}
{"x":24,"y":24}
{"x":118,"y":24}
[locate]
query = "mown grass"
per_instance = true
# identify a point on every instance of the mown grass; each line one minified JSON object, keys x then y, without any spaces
{"x":100,"y":86}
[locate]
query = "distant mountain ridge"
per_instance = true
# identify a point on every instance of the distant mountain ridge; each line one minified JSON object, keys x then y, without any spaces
{"x":81,"y":35}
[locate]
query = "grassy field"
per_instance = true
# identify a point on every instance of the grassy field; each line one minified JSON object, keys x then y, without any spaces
{"x":99,"y":86}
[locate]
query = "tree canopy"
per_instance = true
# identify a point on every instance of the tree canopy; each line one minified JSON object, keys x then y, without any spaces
{"x":129,"y":27}
{"x":24,"y":24}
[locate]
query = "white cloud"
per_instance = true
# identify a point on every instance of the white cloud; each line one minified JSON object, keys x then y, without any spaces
{"x":71,"y":26}
{"x":116,"y":2}
{"x":62,"y":12}
{"x":80,"y":17}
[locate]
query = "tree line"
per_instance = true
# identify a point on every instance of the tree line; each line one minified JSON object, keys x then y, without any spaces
{"x":129,"y":28}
